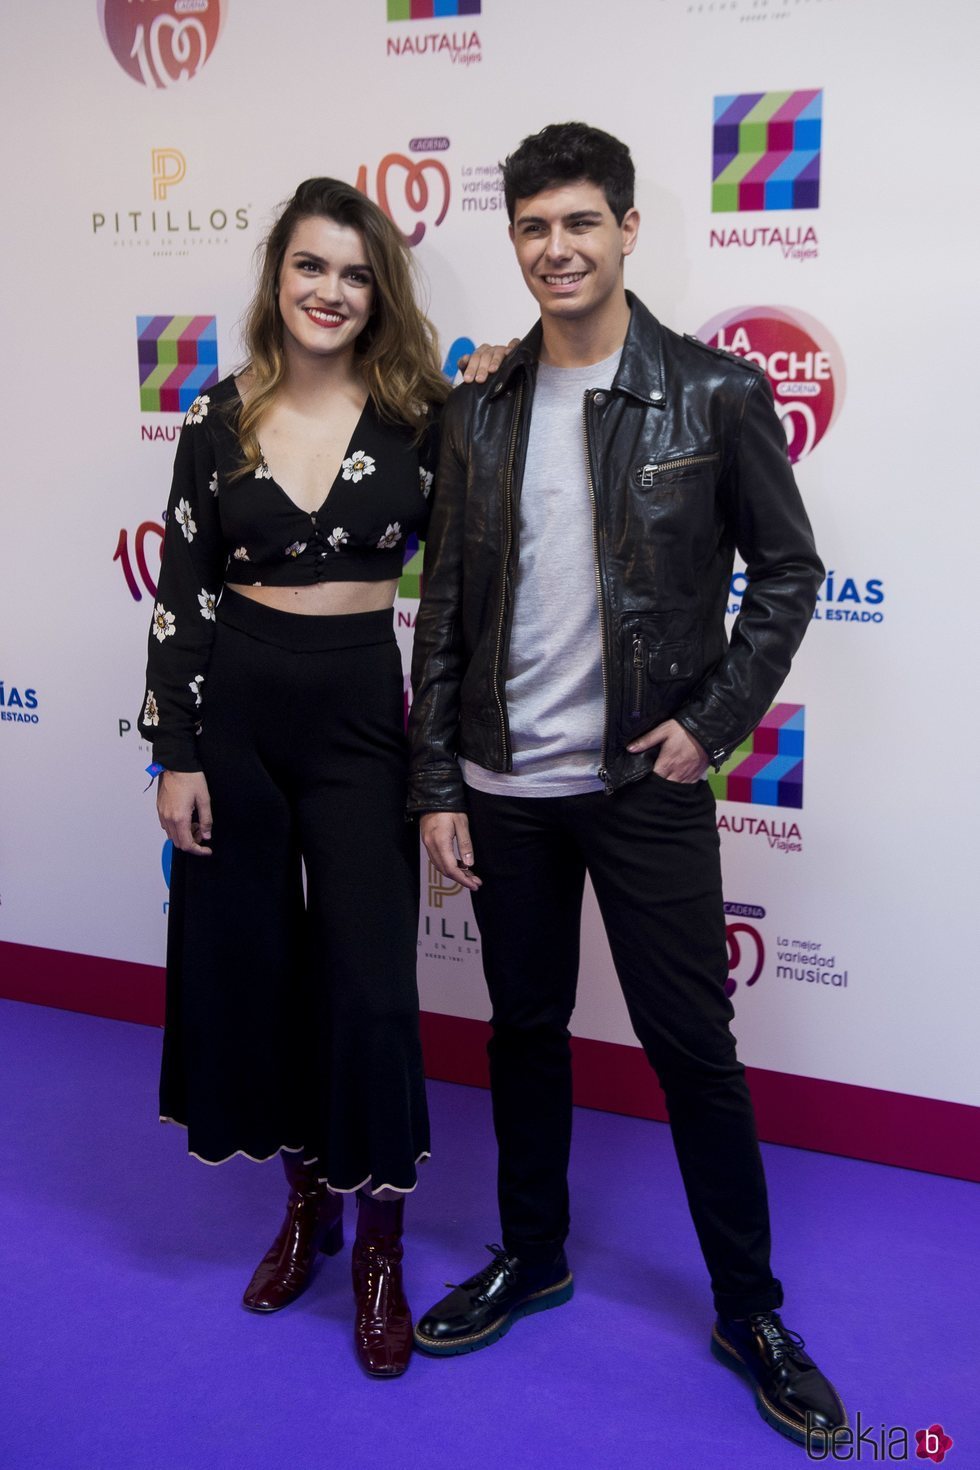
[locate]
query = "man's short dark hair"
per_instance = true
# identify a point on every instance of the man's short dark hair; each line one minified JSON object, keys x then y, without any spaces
{"x":563,"y":153}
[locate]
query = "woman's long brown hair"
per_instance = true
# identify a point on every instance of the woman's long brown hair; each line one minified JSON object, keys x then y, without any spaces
{"x":397,"y":351}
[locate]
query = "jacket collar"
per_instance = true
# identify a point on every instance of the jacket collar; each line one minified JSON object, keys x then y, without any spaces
{"x":641,"y":367}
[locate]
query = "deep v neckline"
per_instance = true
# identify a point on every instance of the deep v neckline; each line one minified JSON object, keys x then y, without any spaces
{"x":312,"y":514}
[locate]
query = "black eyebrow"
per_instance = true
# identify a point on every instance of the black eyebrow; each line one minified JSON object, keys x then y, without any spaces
{"x":568,"y":219}
{"x":318,"y":260}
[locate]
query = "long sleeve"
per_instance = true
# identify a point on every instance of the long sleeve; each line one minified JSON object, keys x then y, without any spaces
{"x":772,"y":533}
{"x":183,"y":624}
{"x":435,"y":782}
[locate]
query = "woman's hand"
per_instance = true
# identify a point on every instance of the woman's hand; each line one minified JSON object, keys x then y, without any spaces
{"x":477,"y":365}
{"x":179,"y":795}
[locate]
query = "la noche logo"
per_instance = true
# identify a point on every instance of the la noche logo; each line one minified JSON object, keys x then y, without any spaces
{"x":802,"y":361}
{"x":161,"y":43}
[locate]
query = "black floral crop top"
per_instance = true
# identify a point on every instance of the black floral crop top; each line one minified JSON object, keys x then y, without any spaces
{"x":245,"y":529}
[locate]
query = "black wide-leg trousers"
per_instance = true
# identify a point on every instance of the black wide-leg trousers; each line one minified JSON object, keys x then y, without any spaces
{"x":292,"y":1006}
{"x":652,"y":853}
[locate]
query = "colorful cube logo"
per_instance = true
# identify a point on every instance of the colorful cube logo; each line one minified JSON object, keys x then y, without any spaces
{"x":766,"y":151}
{"x":767,"y":768}
{"x":431,"y":9}
{"x":178,"y":358}
{"x":410,"y":584}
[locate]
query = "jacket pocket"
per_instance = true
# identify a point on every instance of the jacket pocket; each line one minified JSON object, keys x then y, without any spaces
{"x":650,"y":473}
{"x":661,"y":662}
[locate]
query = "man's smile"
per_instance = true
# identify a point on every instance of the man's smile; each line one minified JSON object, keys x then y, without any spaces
{"x":567,"y":278}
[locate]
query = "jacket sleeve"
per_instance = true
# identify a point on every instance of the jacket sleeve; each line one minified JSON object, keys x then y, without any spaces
{"x":772,"y":533}
{"x":435,"y":780}
{"x":429,"y":459}
{"x":183,"y":624}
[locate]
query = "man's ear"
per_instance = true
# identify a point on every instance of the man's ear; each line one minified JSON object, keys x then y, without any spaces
{"x":510,"y":233}
{"x":630,"y":230}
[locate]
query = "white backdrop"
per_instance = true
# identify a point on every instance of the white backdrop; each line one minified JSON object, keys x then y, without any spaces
{"x":872,"y":878}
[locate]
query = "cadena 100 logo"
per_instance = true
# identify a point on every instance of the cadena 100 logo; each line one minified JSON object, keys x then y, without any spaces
{"x":802,"y":361}
{"x":424,"y":183}
{"x":746,"y":946}
{"x":161,"y":43}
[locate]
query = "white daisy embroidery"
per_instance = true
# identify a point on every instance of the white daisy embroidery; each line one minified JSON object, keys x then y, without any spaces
{"x":337,"y":537}
{"x":357,"y":466}
{"x":213,"y":483}
{"x":295,"y":548}
{"x":240,"y":553}
{"x":195,"y":687}
{"x":207,"y":600}
{"x":425,"y":478}
{"x":391,"y":537}
{"x":151,"y":714}
{"x":263,"y":472}
{"x":163,"y":622}
{"x":184,"y":516}
{"x":198,"y":410}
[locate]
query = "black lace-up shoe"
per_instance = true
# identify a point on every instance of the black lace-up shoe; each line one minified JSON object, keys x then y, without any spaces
{"x":791,"y":1393}
{"x":486,"y":1305}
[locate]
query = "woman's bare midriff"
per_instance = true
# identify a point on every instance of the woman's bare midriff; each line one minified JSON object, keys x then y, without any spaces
{"x":325,"y":598}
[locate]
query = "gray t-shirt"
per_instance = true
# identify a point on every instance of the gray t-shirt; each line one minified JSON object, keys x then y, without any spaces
{"x":555,"y":702}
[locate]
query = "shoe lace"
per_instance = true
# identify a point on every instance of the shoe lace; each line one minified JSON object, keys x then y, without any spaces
{"x":482,"y":1280}
{"x":780,"y":1341}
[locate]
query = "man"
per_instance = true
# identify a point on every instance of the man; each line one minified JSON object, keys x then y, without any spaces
{"x":573,"y":680}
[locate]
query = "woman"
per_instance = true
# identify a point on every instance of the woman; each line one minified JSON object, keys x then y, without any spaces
{"x":276,"y":714}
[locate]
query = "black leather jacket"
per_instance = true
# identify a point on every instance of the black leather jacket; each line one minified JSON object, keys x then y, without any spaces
{"x":687,"y":463}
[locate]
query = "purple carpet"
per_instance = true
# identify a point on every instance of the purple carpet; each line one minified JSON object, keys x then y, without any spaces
{"x":124,"y":1345}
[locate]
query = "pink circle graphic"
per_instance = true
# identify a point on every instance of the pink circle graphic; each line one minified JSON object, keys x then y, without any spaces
{"x":802,"y":361}
{"x":161,"y":43}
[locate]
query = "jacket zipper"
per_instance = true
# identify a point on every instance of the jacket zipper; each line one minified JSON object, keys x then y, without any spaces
{"x":603,"y":772}
{"x":649,"y":470}
{"x":505,"y":562}
{"x":639,"y":660}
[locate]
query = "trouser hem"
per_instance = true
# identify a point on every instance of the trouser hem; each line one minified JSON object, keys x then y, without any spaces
{"x":533,"y":1253}
{"x":745,"y":1304}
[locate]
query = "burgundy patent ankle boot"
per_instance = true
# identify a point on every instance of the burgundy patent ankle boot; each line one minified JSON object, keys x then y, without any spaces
{"x":383,"y":1322}
{"x":314,"y":1222}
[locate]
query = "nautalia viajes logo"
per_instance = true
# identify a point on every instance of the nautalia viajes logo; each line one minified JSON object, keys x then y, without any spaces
{"x":766,"y":151}
{"x":767,"y":768}
{"x":178,"y":359}
{"x":461,"y":46}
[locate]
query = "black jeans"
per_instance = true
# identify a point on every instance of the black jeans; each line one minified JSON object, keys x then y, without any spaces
{"x":652,"y":853}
